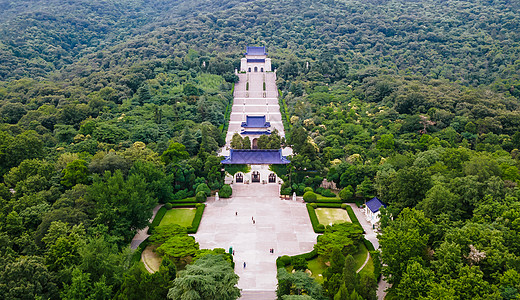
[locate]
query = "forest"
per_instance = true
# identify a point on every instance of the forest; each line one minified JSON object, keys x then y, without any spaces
{"x":110,"y":107}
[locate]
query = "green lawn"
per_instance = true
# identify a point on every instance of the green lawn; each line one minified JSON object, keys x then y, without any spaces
{"x":361,"y":256}
{"x":316,"y":266}
{"x":179,"y":216}
{"x":327,"y":216}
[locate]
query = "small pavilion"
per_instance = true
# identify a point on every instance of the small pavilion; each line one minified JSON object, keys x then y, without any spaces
{"x":256,"y":60}
{"x":372,"y":210}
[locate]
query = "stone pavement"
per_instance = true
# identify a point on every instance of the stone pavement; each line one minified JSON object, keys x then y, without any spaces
{"x":280,"y":224}
{"x":142,"y":234}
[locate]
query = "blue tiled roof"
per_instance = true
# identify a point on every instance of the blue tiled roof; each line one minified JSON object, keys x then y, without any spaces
{"x":256,"y":60}
{"x":256,"y":132}
{"x":255,"y":122}
{"x":255,"y":157}
{"x":256,"y":51}
{"x":375,"y":204}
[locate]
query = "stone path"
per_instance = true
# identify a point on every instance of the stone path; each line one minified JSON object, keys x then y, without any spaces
{"x":280,"y":224}
{"x":142,"y":234}
{"x":371,"y":235}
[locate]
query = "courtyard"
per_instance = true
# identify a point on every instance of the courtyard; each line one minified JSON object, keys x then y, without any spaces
{"x":282,"y":225}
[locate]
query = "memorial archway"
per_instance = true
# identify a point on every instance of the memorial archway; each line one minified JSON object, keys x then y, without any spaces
{"x":239,"y":178}
{"x":255,"y":176}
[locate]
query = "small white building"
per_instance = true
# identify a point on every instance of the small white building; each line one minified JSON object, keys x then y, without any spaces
{"x":255,"y":61}
{"x":372,"y":211}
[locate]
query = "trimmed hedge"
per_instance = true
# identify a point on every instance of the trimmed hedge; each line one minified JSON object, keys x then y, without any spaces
{"x":328,"y":200}
{"x":314,"y":219}
{"x":185,"y":200}
{"x":283,"y":261}
{"x":198,"y":217}
{"x":376,"y":259}
{"x":157,"y":220}
{"x":353,"y":217}
{"x":310,"y":197}
{"x":136,"y":256}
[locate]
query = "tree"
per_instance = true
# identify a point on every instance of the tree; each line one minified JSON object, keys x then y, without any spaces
{"x":346,"y":193}
{"x":403,"y":242}
{"x":350,"y":276}
{"x":237,"y":142}
{"x":225,"y":191}
{"x":174,"y":153}
{"x":416,"y":282}
{"x":310,"y":197}
{"x":297,"y":283}
{"x":344,"y":236}
{"x":123,"y":205}
{"x":386,"y":142}
{"x":210,"y":277}
{"x":76,"y":172}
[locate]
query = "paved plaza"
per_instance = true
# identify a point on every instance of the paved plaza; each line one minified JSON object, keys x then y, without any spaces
{"x":280,"y":224}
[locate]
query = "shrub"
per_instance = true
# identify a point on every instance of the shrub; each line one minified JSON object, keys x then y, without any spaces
{"x":168,"y":206}
{"x":309,"y":197}
{"x":314,"y":205}
{"x":320,"y":190}
{"x":198,"y":217}
{"x":307,"y":189}
{"x":368,"y":244}
{"x":321,"y":227}
{"x":314,"y":219}
{"x":286,"y":191}
{"x":328,"y":193}
{"x":203,"y":188}
{"x":286,"y":260}
{"x":201,"y":197}
{"x":329,"y":200}
{"x":225,"y":191}
{"x":346,"y":193}
{"x":352,"y":216}
{"x":300,"y":264}
{"x":157,"y":220}
{"x":376,"y":258}
{"x":344,"y":206}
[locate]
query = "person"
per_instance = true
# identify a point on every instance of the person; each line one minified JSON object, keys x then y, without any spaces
{"x":233,"y":252}
{"x":244,"y":265}
{"x":253,"y":222}
{"x":236,"y":213}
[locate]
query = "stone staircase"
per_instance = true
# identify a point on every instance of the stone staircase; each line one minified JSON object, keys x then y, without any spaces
{"x":258,"y":295}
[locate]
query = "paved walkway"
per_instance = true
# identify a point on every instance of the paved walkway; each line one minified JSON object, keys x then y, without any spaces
{"x":371,"y":235}
{"x":142,"y":234}
{"x":280,"y":224}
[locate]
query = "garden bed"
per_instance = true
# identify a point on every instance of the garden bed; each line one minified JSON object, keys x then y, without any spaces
{"x":327,"y":216}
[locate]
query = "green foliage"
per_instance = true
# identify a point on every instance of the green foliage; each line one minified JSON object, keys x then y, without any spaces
{"x":76,"y":172}
{"x":174,"y":153}
{"x":346,"y":236}
{"x":178,"y":246}
{"x":204,"y":189}
{"x":225,"y":191}
{"x":201,"y":197}
{"x":157,"y":220}
{"x":314,"y":219}
{"x":309,"y":197}
{"x":297,"y":283}
{"x":199,"y":211}
{"x":163,"y":233}
{"x":233,"y":169}
{"x":346,"y":193}
{"x":209,"y":277}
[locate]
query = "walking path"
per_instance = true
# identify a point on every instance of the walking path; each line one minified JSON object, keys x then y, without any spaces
{"x":364,"y":264}
{"x":280,"y":224}
{"x":142,"y":234}
{"x":371,"y":236}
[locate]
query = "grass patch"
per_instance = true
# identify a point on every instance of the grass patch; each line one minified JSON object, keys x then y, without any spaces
{"x":369,"y":268}
{"x":317,"y":266}
{"x":327,"y":216}
{"x":360,"y":256}
{"x":151,"y":259}
{"x":180,"y":216}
